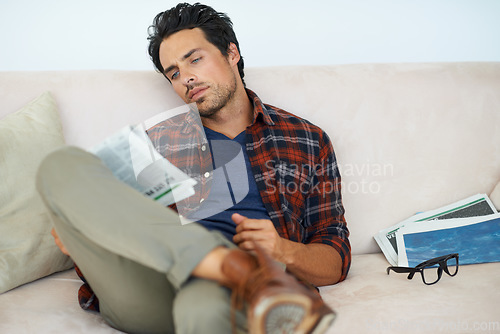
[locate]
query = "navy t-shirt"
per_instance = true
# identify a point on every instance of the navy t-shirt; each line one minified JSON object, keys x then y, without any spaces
{"x":233,"y":187}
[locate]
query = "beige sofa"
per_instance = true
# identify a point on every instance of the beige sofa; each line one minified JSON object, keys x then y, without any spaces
{"x":408,"y":138}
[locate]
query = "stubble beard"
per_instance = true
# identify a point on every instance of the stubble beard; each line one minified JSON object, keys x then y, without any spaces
{"x":220,"y":96}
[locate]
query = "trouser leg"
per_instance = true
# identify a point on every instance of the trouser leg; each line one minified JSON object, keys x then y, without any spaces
{"x":132,"y":298}
{"x":113,"y":231}
{"x":203,"y":306}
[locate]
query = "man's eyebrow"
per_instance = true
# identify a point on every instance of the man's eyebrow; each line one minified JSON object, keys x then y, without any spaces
{"x":186,"y":56}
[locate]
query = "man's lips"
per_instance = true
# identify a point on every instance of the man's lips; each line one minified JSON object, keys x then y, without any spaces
{"x":195,"y":92}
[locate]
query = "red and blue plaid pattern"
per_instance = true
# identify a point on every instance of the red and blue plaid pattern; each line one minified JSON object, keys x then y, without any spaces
{"x":298,"y":178}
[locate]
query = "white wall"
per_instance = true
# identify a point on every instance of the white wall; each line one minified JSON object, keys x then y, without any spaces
{"x":111,"y":34}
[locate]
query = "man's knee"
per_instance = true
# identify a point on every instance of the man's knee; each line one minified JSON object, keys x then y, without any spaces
{"x":58,"y":169}
{"x":52,"y":166}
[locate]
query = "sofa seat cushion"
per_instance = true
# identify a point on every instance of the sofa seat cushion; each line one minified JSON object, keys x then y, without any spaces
{"x":49,"y":306}
{"x":370,"y":301}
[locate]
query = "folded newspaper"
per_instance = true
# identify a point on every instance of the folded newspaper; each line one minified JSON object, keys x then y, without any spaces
{"x":130,"y":155}
{"x":470,"y":227}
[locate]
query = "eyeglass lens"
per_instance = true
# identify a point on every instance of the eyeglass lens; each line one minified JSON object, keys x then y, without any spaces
{"x":432,"y":274}
{"x":452,"y":265}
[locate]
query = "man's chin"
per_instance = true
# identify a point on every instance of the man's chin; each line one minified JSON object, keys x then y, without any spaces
{"x":207,"y":113}
{"x":205,"y":110}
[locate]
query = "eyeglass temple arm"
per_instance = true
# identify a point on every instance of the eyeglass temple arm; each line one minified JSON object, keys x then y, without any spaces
{"x":400,"y":269}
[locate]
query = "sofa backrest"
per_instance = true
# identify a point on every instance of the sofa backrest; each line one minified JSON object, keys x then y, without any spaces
{"x":408,"y":137}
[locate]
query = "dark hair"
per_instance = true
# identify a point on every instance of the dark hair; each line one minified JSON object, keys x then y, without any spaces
{"x":217,"y":27}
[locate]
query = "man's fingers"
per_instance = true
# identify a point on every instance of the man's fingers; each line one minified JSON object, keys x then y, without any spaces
{"x":247,"y":245}
{"x":248,"y":225}
{"x":254,"y":225}
{"x":261,"y":235}
{"x":58,"y":242}
{"x":243,"y":236}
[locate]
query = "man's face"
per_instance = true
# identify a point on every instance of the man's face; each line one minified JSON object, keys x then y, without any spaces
{"x":198,"y":71}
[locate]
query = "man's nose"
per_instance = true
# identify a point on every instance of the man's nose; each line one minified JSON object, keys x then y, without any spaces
{"x":189,"y":78}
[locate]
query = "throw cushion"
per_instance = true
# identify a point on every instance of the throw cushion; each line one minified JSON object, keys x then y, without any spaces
{"x":27,"y":249}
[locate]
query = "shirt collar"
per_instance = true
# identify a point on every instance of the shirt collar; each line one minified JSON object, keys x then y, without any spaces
{"x":260,"y":111}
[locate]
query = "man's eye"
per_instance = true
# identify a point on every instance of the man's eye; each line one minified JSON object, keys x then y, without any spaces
{"x":196,"y":60}
{"x":174,"y":75}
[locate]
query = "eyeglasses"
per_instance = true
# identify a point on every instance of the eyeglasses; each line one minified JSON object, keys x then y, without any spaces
{"x":431,"y":270}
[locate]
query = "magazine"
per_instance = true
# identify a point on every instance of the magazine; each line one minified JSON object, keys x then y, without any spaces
{"x":476,"y":240}
{"x":131,"y":157}
{"x":474,"y":207}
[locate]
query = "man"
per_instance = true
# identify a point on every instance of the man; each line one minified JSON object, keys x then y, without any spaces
{"x":152,"y":274}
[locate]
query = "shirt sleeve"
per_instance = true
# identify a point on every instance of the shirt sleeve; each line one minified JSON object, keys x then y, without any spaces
{"x":86,"y":296}
{"x":324,"y":209}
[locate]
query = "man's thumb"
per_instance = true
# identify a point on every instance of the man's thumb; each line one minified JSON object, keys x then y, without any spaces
{"x":237,"y":218}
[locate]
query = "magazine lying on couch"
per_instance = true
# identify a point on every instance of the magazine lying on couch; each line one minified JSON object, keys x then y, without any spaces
{"x":130,"y":155}
{"x":473,"y":207}
{"x":476,"y":240}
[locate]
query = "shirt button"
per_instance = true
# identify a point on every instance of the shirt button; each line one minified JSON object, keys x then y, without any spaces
{"x":203,"y":148}
{"x":207,"y":174}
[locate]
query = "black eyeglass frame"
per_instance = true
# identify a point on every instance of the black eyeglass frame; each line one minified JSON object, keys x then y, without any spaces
{"x":441,"y":261}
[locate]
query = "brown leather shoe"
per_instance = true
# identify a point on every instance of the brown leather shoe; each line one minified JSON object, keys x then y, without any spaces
{"x":277,"y":302}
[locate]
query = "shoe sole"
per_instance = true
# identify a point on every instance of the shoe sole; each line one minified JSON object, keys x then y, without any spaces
{"x":289,"y":313}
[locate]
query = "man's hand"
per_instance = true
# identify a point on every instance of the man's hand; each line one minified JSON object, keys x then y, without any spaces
{"x":261,"y":231}
{"x":318,"y":264}
{"x":58,"y":242}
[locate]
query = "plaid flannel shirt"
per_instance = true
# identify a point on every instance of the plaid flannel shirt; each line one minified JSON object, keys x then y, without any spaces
{"x":294,"y":166}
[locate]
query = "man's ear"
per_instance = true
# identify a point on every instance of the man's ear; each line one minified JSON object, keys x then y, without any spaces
{"x":233,"y":55}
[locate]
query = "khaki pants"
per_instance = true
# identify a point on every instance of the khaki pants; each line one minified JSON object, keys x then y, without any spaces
{"x":134,"y":252}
